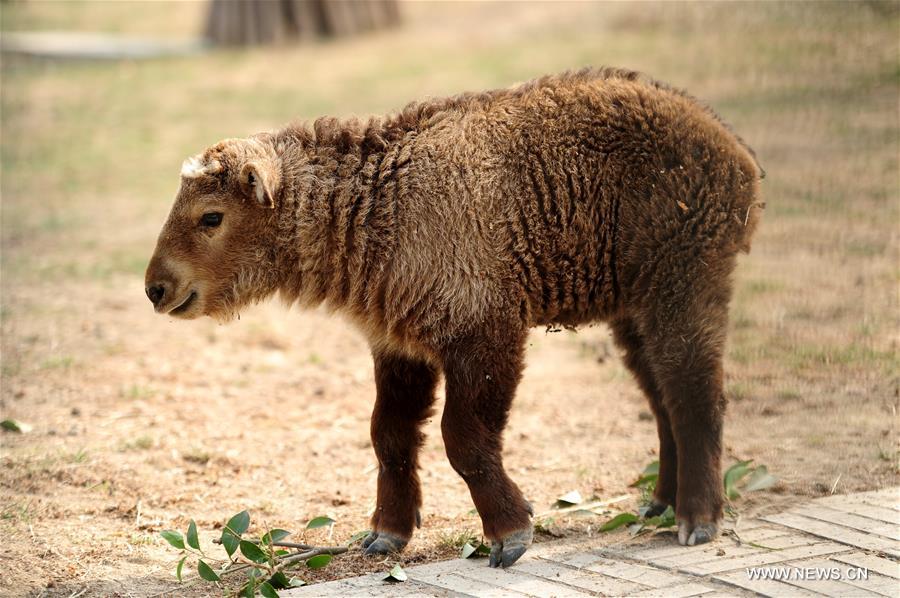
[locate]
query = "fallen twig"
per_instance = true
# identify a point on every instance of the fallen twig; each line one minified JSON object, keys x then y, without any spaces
{"x":333,"y":549}
{"x":287,"y":559}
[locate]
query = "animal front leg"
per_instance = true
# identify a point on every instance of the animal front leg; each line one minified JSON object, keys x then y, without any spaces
{"x":482,"y":375}
{"x":405,"y":393}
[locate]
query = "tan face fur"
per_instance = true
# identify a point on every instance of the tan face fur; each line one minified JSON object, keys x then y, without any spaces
{"x":215,"y":251}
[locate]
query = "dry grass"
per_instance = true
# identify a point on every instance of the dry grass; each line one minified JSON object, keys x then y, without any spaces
{"x":270,"y":414}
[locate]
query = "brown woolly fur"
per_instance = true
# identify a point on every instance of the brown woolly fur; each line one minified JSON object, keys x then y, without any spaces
{"x":446,"y":230}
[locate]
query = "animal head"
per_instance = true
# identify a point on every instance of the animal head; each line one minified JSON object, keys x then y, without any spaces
{"x":216,"y":252}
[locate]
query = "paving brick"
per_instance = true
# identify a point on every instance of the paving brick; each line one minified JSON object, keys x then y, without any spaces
{"x":851,"y":520}
{"x":577,"y":559}
{"x":831,"y":532}
{"x":721,"y":551}
{"x":451,"y":566}
{"x":641,"y":574}
{"x":584,"y":579}
{"x":463,"y":586}
{"x":825,"y":587}
{"x":671,"y":549}
{"x":880,"y":565}
{"x":878,"y":584}
{"x":521,"y":582}
{"x":766,"y":558}
{"x":561,"y":550}
{"x":659,"y":550}
{"x":863,"y":509}
{"x":760,"y":535}
{"x":764,"y":587}
{"x":684,"y":590}
{"x":835,"y":532}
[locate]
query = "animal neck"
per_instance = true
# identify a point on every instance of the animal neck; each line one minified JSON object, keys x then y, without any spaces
{"x":336,"y":233}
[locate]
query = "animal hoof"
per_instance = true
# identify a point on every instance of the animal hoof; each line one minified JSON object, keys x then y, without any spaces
{"x":701,"y":533}
{"x":507,"y":551}
{"x":379,"y":543}
{"x":656,"y":508}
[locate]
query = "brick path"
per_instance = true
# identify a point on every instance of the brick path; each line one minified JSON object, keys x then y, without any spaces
{"x":838,"y":534}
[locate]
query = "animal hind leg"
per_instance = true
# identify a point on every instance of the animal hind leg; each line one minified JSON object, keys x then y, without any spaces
{"x":405,"y":393}
{"x":482,"y":374}
{"x":628,"y":337}
{"x":686,"y":333}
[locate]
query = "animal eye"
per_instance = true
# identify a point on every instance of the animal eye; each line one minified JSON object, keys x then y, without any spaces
{"x":211,"y":219}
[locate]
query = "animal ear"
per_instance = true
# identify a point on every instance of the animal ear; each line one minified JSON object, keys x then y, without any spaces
{"x":260,"y":181}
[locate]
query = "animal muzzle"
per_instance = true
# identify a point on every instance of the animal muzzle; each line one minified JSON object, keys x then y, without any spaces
{"x":160,"y":286}
{"x":157,"y":292}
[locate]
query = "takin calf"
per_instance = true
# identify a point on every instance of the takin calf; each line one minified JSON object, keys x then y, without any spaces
{"x":449,"y":229}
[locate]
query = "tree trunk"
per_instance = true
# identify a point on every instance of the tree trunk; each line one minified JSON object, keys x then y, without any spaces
{"x":260,"y":22}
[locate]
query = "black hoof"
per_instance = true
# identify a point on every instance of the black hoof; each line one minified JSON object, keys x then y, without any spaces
{"x":507,"y":551}
{"x":655,"y":509}
{"x":701,"y":533}
{"x":381,"y":543}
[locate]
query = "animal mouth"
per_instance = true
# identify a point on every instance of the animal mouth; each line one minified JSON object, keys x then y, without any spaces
{"x":184,"y":305}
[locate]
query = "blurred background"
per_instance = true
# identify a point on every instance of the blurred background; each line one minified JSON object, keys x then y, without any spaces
{"x":130,"y":422}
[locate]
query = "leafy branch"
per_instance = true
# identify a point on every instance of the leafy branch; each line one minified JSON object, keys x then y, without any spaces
{"x":269,"y":562}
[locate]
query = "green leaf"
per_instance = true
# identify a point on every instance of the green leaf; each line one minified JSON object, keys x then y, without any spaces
{"x":267,"y":591}
{"x":760,"y":479}
{"x":667,"y":518}
{"x":275,"y":535}
{"x":318,"y":561}
{"x":11,"y":425}
{"x":279,"y":581}
{"x":733,"y":475}
{"x":618,"y":521}
{"x":174,"y":538}
{"x":648,"y":477}
{"x":192,"y":539}
{"x":239,"y":523}
{"x":248,"y":590}
{"x":206,"y":572}
{"x":230,"y":542}
{"x":180,"y":567}
{"x":319,"y":522}
{"x":646,"y":481}
{"x":253,"y":552}
{"x":651,"y":469}
{"x":396,"y":574}
{"x":358,"y":536}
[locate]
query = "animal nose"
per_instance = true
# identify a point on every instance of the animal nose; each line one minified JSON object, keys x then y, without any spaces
{"x":156,"y":293}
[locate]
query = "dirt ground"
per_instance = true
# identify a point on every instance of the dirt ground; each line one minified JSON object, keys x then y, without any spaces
{"x":140,"y":423}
